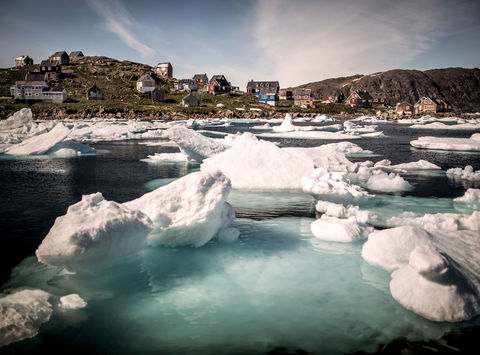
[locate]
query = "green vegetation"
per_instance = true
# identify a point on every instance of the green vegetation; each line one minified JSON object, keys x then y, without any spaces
{"x":118,"y":79}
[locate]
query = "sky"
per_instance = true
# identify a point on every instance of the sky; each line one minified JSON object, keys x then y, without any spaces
{"x":292,"y":41}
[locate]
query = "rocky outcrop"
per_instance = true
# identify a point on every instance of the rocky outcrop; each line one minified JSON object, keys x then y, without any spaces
{"x":460,"y":86}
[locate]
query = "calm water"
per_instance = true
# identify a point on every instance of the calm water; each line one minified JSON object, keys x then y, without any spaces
{"x":274,"y":287}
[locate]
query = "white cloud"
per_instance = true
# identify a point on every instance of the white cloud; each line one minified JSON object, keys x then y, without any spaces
{"x":118,"y":21}
{"x":304,"y":41}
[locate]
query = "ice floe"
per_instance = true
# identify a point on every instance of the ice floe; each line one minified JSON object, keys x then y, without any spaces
{"x":340,"y":230}
{"x":166,"y":157}
{"x":440,"y":125}
{"x":471,"y":144}
{"x":72,"y":301}
{"x":22,"y":313}
{"x":381,"y":181}
{"x":466,"y":173}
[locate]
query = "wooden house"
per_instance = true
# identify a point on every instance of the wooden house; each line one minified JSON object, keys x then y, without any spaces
{"x":443,"y":105}
{"x":35,"y":76}
{"x":157,"y":94}
{"x":23,"y":60}
{"x":219,"y":85}
{"x":303,"y":98}
{"x":95,"y":93}
{"x":425,"y":105}
{"x":37,"y":91}
{"x":285,"y":94}
{"x":51,"y":69}
{"x":76,"y":55}
{"x":254,"y":87}
{"x":186,"y":85}
{"x":164,"y":70}
{"x":359,"y":99}
{"x":190,"y":101}
{"x":379,"y":99}
{"x":145,"y":83}
{"x":61,"y":57}
{"x":268,"y":96}
{"x":404,"y":108}
{"x":201,"y":79}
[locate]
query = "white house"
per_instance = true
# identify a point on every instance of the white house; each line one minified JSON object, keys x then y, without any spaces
{"x":164,"y":69}
{"x":186,"y":85}
{"x":145,"y":83}
{"x":37,"y":91}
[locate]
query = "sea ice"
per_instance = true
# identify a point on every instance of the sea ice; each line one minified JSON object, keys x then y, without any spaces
{"x":17,"y":120}
{"x":340,"y":230}
{"x":439,"y":125}
{"x":41,"y":143}
{"x":193,"y":144}
{"x":166,"y":157}
{"x":22,"y":313}
{"x":91,"y":230}
{"x":466,"y":173}
{"x":381,"y":181}
{"x":72,"y":301}
{"x":189,"y":211}
{"x":341,"y":211}
{"x":471,"y":144}
{"x":470,"y":200}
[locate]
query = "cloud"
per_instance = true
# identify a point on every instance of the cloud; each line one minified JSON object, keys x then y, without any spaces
{"x":119,"y":21}
{"x":304,"y":41}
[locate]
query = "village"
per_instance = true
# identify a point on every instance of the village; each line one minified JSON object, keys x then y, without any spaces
{"x":41,"y":85}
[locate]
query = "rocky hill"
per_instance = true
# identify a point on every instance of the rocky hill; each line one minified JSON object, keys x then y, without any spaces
{"x":461,"y":87}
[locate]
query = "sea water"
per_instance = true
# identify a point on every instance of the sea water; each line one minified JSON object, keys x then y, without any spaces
{"x":276,"y":287}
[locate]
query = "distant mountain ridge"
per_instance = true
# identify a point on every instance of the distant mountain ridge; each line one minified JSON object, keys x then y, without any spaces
{"x":460,"y":86}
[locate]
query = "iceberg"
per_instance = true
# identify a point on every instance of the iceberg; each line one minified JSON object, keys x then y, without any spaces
{"x":22,"y":314}
{"x":72,"y":301}
{"x":471,"y":144}
{"x":435,"y":275}
{"x":40,"y":144}
{"x":466,"y":173}
{"x":91,"y":230}
{"x":193,"y":144}
{"x":340,"y":230}
{"x":286,"y":125}
{"x":189,"y":211}
{"x":381,"y":181}
{"x":17,"y":120}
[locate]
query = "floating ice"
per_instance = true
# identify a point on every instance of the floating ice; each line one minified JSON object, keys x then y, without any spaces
{"x":286,"y":126}
{"x":310,"y":135}
{"x":456,"y":144}
{"x":381,"y":181}
{"x":349,"y":149}
{"x":189,"y":211}
{"x":471,"y":200}
{"x":91,"y":230}
{"x":340,"y":230}
{"x":351,"y":127}
{"x":18,"y":119}
{"x":166,"y":157}
{"x":193,"y":144}
{"x":466,"y":173}
{"x":22,"y":314}
{"x":72,"y":301}
{"x":439,"y":125}
{"x":435,"y":275}
{"x":41,"y":143}
{"x":341,"y":211}
{"x":323,"y":118}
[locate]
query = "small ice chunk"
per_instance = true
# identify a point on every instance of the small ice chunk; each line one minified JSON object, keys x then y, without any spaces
{"x":22,"y":314}
{"x":92,"y":229}
{"x":166,"y":157}
{"x":72,"y":301}
{"x":340,"y":230}
{"x":286,"y":125}
{"x":466,"y":173}
{"x":341,"y":211}
{"x":416,"y":165}
{"x":381,"y":181}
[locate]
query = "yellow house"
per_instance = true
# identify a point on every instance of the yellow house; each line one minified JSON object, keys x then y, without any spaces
{"x":426,"y":105}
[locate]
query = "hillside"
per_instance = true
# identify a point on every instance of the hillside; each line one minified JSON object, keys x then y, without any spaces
{"x":461,"y":87}
{"x":118,"y":79}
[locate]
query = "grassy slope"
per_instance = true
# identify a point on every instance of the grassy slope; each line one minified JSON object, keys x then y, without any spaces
{"x":118,"y":79}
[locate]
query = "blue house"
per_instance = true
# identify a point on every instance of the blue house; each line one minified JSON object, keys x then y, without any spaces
{"x":268,"y":97}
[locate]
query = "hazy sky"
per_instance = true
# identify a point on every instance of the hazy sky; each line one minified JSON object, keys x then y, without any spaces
{"x":293,"y":41}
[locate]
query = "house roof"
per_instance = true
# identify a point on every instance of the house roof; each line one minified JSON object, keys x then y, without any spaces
{"x":190,"y":97}
{"x":220,"y":80}
{"x":22,"y":57}
{"x":94,"y":87}
{"x":58,"y":54}
{"x":36,"y":82}
{"x":35,"y":77}
{"x":426,"y":98}
{"x":262,"y":84}
{"x":49,"y":63}
{"x":199,"y":76}
{"x":302,"y":92}
{"x":145,"y":77}
{"x":76,"y":54}
{"x":364,"y":95}
{"x":166,"y":63}
{"x":267,"y":91}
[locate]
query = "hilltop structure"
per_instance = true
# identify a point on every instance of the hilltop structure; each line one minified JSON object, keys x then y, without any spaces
{"x":164,"y":70}
{"x":23,"y":60}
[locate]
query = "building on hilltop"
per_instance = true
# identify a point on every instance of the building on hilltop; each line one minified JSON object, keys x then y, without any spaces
{"x":37,"y":91}
{"x":219,"y":85}
{"x":145,"y":83}
{"x":61,"y":57}
{"x":95,"y":93}
{"x":253,"y":87}
{"x":303,"y":98}
{"x":76,"y":55}
{"x":404,"y":108}
{"x":186,"y":85}
{"x":201,"y":79}
{"x":190,"y":101}
{"x":51,"y":69}
{"x":23,"y":60}
{"x":285,"y":94}
{"x":359,"y":99}
{"x":164,"y":70}
{"x":268,"y":96}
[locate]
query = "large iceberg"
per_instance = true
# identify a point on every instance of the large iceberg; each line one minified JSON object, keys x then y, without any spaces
{"x":189,"y":211}
{"x":193,"y":144}
{"x":436,"y":275}
{"x":22,"y":313}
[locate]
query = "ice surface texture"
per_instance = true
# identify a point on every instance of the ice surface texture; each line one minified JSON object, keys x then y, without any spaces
{"x":22,"y":313}
{"x":471,"y":144}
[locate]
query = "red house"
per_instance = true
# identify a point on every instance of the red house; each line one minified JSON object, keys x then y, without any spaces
{"x":359,"y":99}
{"x":219,"y":85}
{"x":379,"y":99}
